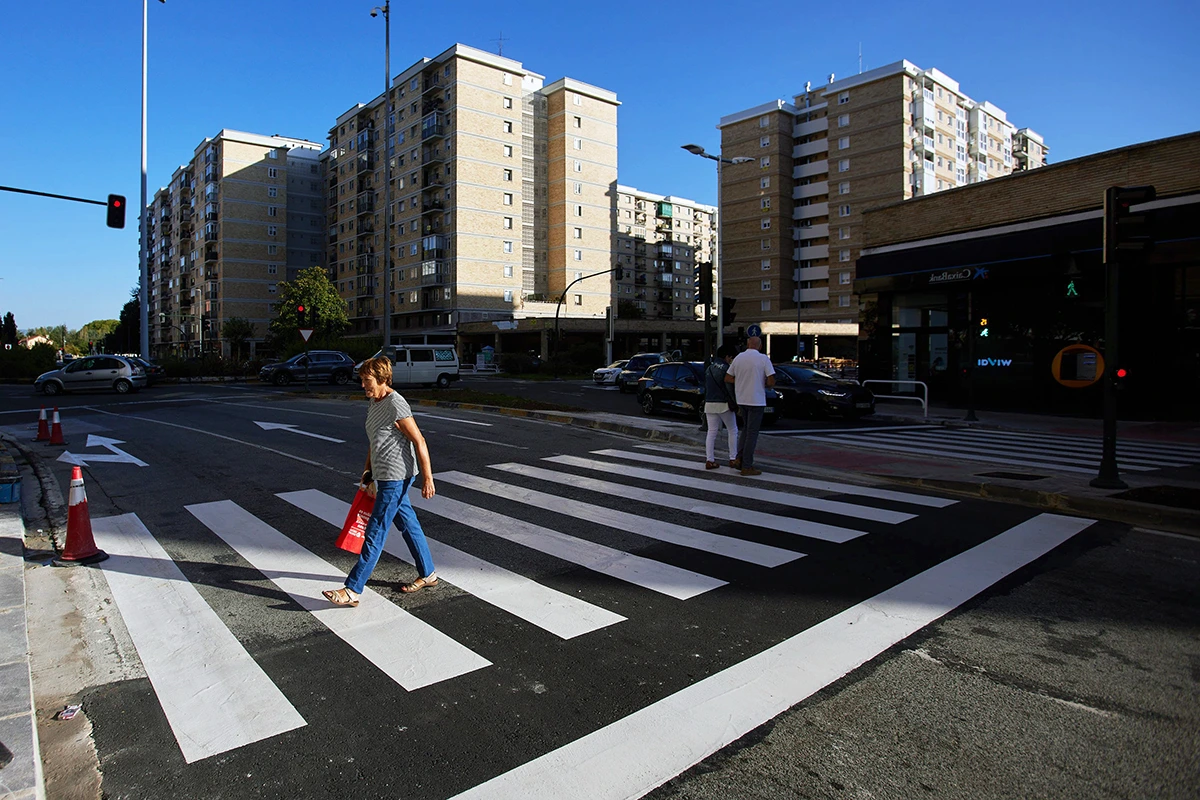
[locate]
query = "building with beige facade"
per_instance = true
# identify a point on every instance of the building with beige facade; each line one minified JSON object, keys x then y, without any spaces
{"x":502,"y":195}
{"x":792,"y":220}
{"x":243,"y":215}
{"x":658,"y":242}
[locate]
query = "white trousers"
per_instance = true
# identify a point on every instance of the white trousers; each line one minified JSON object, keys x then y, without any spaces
{"x":714,"y":422}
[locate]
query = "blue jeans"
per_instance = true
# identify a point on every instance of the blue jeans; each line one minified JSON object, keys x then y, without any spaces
{"x":391,"y":504}
{"x":748,"y":439}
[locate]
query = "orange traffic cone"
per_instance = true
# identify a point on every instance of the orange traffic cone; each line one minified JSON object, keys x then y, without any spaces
{"x":43,"y":434}
{"x":81,"y":546}
{"x":56,"y":434}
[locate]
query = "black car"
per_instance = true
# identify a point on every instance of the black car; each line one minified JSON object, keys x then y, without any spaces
{"x":679,"y":386}
{"x":810,"y":393}
{"x":154,"y":372}
{"x":333,"y":366}
{"x":636,"y":368}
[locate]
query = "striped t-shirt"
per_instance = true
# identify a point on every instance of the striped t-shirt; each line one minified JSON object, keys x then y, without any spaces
{"x":393,"y":456}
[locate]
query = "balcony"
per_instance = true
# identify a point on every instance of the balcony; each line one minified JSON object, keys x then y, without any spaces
{"x":810,"y":148}
{"x":810,"y":127}
{"x":365,"y":162}
{"x":431,"y":206}
{"x":817,"y":294}
{"x":812,"y":252}
{"x":810,"y":190}
{"x":364,"y":289}
{"x":433,"y":82}
{"x":433,"y":156}
{"x":212,"y":274}
{"x":811,"y":211}
{"x":816,"y":231}
{"x":820,"y":273}
{"x":433,"y":179}
{"x":811,"y":169}
{"x":365,"y":207}
{"x":363,"y":264}
{"x":211,"y":254}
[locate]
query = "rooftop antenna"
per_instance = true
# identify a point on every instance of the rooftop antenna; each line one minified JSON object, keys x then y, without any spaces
{"x":500,"y":44}
{"x":860,"y":58}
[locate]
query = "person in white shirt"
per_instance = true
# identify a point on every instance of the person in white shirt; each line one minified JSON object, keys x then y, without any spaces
{"x":751,"y":374}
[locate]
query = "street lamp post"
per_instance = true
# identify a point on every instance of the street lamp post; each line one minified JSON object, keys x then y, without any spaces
{"x":386,"y":9}
{"x":718,"y":262}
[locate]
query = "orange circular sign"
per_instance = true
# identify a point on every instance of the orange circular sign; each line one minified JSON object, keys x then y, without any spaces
{"x":1077,"y":366}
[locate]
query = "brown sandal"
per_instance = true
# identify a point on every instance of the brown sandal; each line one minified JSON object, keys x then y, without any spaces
{"x":340,"y":597}
{"x":419,"y":584}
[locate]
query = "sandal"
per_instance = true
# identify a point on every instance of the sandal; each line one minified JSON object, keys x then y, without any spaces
{"x":419,"y":584}
{"x":340,"y":597}
{"x":711,"y":465}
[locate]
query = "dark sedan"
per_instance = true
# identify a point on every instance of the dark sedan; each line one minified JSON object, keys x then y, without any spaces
{"x":154,"y":372}
{"x":810,"y":393}
{"x":635,"y":368}
{"x":678,"y":386}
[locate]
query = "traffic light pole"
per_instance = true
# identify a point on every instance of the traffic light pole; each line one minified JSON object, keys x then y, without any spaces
{"x":971,"y":361}
{"x":563,"y":299}
{"x":1109,"y":477}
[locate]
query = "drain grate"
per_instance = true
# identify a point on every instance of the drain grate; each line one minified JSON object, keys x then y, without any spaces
{"x":1173,"y":496}
{"x":1011,"y":476}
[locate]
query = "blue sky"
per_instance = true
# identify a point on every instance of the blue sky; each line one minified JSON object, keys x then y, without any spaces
{"x":1087,"y":76}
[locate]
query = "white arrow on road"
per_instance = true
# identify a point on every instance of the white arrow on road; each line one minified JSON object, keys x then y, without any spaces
{"x":272,"y":426}
{"x":116,"y":456}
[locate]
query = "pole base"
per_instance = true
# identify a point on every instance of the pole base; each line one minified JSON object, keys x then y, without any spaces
{"x":1107,"y":482}
{"x":94,"y":558}
{"x":970,"y":417}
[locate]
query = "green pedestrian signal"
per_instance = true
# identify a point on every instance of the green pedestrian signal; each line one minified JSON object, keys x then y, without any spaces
{"x":1071,"y":290}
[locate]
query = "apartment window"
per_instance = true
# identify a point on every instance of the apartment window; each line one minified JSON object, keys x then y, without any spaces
{"x":272,"y":269}
{"x":272,"y":230}
{"x":578,"y":143}
{"x":764,"y":162}
{"x":844,"y":165}
{"x":272,"y":172}
{"x":508,"y":295}
{"x":507,"y":126}
{"x":508,"y":102}
{"x":508,"y":247}
{"x":764,"y":141}
{"x":508,"y":198}
{"x":507,"y":79}
{"x":843,"y":120}
{"x":765,"y":305}
{"x":271,"y":287}
{"x":766,"y":285}
{"x":843,"y":233}
{"x":508,"y":175}
{"x":844,"y":301}
{"x":579,"y":166}
{"x":508,"y":151}
{"x":766,"y":223}
{"x":272,"y":154}
{"x":272,"y":249}
{"x":577,"y":187}
{"x":578,"y":210}
{"x":270,"y":211}
{"x":577,"y":100}
{"x":844,"y":255}
{"x":844,"y":278}
{"x":764,"y":183}
{"x":766,"y":202}
{"x":766,"y":263}
{"x":843,"y":142}
{"x":508,"y":222}
{"x":577,"y":122}
{"x":578,"y":299}
{"x":766,"y":244}
{"x":764,"y":122}
{"x":844,"y":211}
{"x":579,"y":234}
{"x":844,"y":187}
{"x":508,"y":270}
{"x":843,"y":98}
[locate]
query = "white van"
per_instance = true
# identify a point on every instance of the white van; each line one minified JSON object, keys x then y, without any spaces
{"x":429,"y":364}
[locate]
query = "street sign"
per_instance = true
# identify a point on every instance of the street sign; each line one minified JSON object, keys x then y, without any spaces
{"x":754,"y":330}
{"x":306,"y":332}
{"x":1077,"y":366}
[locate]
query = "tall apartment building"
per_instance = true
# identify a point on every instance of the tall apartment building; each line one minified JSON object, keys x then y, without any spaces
{"x":502,"y":190}
{"x":1029,"y":149}
{"x":792,"y":222}
{"x":244,"y":214}
{"x":658,"y":240}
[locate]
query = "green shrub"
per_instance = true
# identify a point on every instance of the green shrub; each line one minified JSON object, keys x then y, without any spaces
{"x":20,"y":364}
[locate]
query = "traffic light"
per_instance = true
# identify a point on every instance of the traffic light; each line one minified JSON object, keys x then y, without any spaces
{"x":1119,"y":377}
{"x":313,"y":320}
{"x":301,"y":316}
{"x":619,"y":273}
{"x":116,"y":211}
{"x":702,"y":274}
{"x":1125,"y":231}
{"x":727,"y":313}
{"x":983,"y":328}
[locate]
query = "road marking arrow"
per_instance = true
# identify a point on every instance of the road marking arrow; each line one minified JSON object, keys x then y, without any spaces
{"x":116,"y":456}
{"x":273,"y":426}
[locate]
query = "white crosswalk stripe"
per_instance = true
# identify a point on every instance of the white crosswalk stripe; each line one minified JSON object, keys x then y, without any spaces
{"x":214,"y":695}
{"x":752,"y":552}
{"x":409,"y":651}
{"x":788,"y":480}
{"x":1084,"y":451}
{"x":746,"y":516}
{"x":561,"y":614}
{"x":1189,"y":453}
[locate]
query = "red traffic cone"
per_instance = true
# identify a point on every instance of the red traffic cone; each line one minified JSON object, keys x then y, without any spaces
{"x":81,"y":546}
{"x":56,"y":434}
{"x":43,"y":434}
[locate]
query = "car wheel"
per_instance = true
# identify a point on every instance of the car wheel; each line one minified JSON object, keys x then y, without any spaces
{"x":621,"y":387}
{"x":283,"y":379}
{"x":648,"y":406}
{"x":50,"y":388}
{"x":443,"y":381}
{"x":123,"y":386}
{"x":341,"y":378}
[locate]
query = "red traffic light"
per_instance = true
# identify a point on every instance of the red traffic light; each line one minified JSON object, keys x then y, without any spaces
{"x":299,"y":309}
{"x":1122,"y":372}
{"x":116,"y":211}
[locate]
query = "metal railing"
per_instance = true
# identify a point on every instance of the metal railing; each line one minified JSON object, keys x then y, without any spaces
{"x":924,"y":401}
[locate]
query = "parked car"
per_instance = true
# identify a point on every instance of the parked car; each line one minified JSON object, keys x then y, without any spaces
{"x":678,"y":386}
{"x":635,"y":368}
{"x":608,"y":375}
{"x":424,"y":364}
{"x":808,"y":392}
{"x":332,"y":366}
{"x":93,"y":373}
{"x":154,"y":372}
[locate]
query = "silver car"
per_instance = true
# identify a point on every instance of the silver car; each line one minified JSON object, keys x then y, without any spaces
{"x":93,"y":373}
{"x":608,"y":375}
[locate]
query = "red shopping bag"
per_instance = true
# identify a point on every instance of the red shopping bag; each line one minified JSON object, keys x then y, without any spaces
{"x":354,"y":530}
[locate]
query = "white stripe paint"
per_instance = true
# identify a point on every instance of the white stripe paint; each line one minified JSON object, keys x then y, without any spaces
{"x":1087,"y":450}
{"x":741,"y":550}
{"x":925,"y":450}
{"x":861,"y":429}
{"x":656,"y":576}
{"x":790,"y":480}
{"x":215,"y":696}
{"x":633,"y":755}
{"x":561,"y":614}
{"x":798,"y":501}
{"x":745,"y":516}
{"x":409,"y":651}
{"x":1124,"y":444}
{"x":451,"y":419}
{"x":487,"y":441}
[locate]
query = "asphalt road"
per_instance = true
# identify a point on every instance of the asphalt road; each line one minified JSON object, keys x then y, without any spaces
{"x":610,"y":615}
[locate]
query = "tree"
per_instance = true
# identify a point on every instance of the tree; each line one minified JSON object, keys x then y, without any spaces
{"x":8,"y":334}
{"x":126,"y":336}
{"x":237,"y":331}
{"x":313,"y":289}
{"x":627,"y":310}
{"x":93,"y":332}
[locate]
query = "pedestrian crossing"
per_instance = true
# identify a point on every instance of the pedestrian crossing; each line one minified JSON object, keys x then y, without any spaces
{"x":1046,"y":451}
{"x":222,"y":700}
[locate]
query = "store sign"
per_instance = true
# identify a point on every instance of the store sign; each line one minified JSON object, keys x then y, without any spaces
{"x":995,"y":362}
{"x":959,"y":275}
